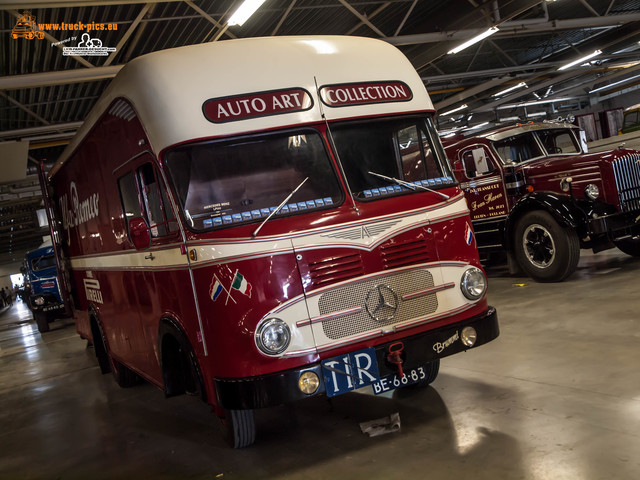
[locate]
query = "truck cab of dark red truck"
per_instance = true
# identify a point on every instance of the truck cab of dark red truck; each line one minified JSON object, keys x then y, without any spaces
{"x":535,"y":193}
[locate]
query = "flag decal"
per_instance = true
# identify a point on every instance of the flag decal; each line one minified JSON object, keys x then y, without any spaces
{"x":240,"y":283}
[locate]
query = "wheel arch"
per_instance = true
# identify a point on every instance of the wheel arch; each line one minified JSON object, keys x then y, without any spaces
{"x":99,"y":340}
{"x":560,"y":207}
{"x":181,"y":372}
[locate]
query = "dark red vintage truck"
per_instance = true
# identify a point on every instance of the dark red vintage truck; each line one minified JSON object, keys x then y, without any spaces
{"x":536,"y":194}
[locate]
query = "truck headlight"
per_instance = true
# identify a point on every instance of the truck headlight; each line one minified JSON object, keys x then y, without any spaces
{"x":591,"y":191}
{"x":273,"y":336}
{"x":473,"y":283}
{"x":38,"y":300}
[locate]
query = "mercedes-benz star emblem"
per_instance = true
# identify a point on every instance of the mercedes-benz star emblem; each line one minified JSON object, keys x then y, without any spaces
{"x":382,"y":303}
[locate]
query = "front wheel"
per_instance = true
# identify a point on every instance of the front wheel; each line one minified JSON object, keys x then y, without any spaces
{"x":629,"y":245}
{"x":545,"y":250}
{"x":41,"y":321}
{"x":240,"y":428}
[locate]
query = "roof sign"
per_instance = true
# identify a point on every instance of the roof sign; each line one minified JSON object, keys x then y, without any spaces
{"x":364,"y":93}
{"x":260,"y":104}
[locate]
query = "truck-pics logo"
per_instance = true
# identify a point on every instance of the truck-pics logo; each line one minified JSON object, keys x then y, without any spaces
{"x":80,"y":211}
{"x":26,"y":27}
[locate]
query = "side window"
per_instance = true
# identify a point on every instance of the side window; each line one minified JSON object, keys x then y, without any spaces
{"x":418,"y":162}
{"x":129,"y":197}
{"x":157,"y":208}
{"x":142,"y":195}
{"x":477,"y":162}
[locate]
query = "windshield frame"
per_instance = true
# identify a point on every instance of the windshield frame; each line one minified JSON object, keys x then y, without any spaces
{"x":392,"y":189}
{"x":300,"y":130}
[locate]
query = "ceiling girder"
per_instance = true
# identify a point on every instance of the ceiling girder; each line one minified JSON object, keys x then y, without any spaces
{"x":515,"y":28}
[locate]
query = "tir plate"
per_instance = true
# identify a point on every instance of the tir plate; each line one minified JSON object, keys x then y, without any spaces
{"x":350,"y":371}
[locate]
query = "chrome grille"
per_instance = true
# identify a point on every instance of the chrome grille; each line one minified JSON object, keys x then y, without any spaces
{"x":626,"y":171}
{"x":355,"y":294}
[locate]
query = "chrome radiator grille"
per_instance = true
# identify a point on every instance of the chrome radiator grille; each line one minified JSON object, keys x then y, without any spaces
{"x":626,"y":171}
{"x":354,"y":295}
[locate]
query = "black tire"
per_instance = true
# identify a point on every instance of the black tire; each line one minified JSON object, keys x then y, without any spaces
{"x":629,"y":245}
{"x":41,"y":321}
{"x":545,"y":250}
{"x":123,"y":376}
{"x":431,"y":370}
{"x":240,"y":428}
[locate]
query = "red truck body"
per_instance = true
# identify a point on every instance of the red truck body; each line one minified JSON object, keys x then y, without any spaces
{"x":230,"y":239}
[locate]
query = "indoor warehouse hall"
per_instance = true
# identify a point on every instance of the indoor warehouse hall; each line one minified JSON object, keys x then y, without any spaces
{"x":555,"y":396}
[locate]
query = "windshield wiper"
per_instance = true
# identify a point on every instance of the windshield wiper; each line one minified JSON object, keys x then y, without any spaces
{"x":278,"y":208}
{"x":412,"y":186}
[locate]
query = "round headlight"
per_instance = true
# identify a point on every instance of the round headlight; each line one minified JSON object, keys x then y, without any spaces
{"x":591,"y":191}
{"x":38,"y":300}
{"x":273,"y":336}
{"x":473,"y":283}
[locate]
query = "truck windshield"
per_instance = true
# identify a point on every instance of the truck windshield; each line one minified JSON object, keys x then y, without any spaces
{"x":525,"y":146}
{"x":405,"y":149}
{"x":42,"y":263}
{"x":239,"y":181}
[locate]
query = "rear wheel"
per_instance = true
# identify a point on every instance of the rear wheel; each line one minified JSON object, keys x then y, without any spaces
{"x":41,"y":321}
{"x":124,"y":376}
{"x":545,"y":250}
{"x":629,"y":245}
{"x":240,"y":428}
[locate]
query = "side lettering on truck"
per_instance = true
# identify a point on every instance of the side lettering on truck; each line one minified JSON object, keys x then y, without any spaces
{"x":344,"y":95}
{"x":260,"y":104}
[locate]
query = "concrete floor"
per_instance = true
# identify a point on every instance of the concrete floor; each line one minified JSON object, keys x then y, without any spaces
{"x":556,"y":396}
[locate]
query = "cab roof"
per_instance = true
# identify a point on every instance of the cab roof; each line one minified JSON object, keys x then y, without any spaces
{"x":168,"y":88}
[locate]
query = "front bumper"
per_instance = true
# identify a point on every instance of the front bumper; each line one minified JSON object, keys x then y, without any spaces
{"x":279,"y":388}
{"x":615,"y":225}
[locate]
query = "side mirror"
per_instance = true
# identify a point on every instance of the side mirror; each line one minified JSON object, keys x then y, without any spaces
{"x":139,"y":232}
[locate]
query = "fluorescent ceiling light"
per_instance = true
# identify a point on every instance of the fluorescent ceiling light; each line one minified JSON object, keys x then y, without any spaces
{"x":614,"y":84}
{"x":244,"y":11}
{"x":510,"y":89}
{"x":537,"y":114}
{"x":539,"y":102}
{"x":509,"y":119}
{"x":475,"y":39}
{"x":478,"y":126}
{"x":581,"y":60}
{"x":461,"y":107}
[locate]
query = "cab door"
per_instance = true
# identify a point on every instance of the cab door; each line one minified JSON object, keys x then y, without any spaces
{"x":481,"y":179}
{"x":150,"y":284}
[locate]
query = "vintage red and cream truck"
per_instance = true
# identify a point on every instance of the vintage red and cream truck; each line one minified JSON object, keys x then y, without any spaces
{"x":264,"y":220}
{"x":535,"y":193}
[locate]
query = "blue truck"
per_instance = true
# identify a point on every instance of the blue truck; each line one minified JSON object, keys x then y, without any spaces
{"x":41,"y":280}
